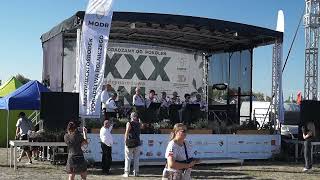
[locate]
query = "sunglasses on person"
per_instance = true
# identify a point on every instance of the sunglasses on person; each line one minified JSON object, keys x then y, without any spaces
{"x":183,"y":130}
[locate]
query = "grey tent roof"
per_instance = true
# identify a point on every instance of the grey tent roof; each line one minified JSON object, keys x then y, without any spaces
{"x":177,"y":30}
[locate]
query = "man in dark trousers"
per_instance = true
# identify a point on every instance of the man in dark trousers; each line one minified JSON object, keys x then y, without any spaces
{"x":106,"y":146}
{"x":308,"y":132}
{"x":24,"y":125}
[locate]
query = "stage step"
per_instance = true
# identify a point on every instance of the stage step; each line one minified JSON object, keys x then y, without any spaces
{"x":217,"y":160}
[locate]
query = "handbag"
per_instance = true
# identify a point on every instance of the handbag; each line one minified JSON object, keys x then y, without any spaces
{"x":132,"y":143}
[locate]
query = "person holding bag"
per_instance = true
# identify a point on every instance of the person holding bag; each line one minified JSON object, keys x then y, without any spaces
{"x":132,"y":143}
{"x":178,"y":155}
{"x":76,"y":164}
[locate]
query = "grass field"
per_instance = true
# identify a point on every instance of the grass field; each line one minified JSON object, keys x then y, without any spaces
{"x":265,"y":169}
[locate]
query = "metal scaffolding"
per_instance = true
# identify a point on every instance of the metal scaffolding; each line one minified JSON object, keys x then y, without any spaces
{"x":312,"y":24}
{"x":276,"y":80}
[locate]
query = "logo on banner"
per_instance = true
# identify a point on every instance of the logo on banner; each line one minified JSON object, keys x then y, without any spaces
{"x":150,"y":142}
{"x":220,"y":143}
{"x":149,"y":154}
{"x":135,"y":67}
{"x":100,"y":12}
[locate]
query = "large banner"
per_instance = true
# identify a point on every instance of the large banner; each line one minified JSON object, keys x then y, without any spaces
{"x":203,"y":146}
{"x":94,"y":40}
{"x":153,"y":67}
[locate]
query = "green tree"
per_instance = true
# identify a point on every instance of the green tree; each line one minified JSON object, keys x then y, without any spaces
{"x":259,"y":96}
{"x":268,"y":99}
{"x":22,"y":79}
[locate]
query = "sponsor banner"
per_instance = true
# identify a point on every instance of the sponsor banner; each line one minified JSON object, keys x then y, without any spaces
{"x":152,"y":67}
{"x":92,"y":55}
{"x":249,"y":146}
{"x":203,"y":146}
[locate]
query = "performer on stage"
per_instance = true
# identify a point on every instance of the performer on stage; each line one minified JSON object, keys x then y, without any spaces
{"x":105,"y":95}
{"x":111,"y":111}
{"x":151,"y":111}
{"x":203,"y":104}
{"x":152,"y":98}
{"x":174,"y":109}
{"x":165,"y":102}
{"x":203,"y":108}
{"x":175,"y":98}
{"x":139,"y":103}
{"x":185,"y":111}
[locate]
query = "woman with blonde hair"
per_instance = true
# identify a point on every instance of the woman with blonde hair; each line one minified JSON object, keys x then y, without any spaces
{"x":76,"y":163}
{"x":178,"y":155}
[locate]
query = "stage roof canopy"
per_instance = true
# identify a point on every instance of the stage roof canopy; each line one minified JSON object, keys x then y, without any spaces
{"x":189,"y":32}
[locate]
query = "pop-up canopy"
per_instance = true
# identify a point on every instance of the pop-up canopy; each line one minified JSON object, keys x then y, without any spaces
{"x":27,"y":97}
{"x":9,"y":86}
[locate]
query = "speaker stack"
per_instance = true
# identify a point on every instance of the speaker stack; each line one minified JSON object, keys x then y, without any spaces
{"x":310,"y":112}
{"x":57,"y":109}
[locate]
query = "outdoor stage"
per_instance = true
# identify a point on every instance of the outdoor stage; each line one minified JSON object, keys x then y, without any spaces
{"x":159,"y":52}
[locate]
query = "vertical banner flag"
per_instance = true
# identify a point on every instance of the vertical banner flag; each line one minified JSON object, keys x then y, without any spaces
{"x":94,"y":41}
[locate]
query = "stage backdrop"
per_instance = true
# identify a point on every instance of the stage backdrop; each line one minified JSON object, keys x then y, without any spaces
{"x":152,"y":67}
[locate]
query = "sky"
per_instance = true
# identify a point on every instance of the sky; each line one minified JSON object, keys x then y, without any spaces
{"x":23,"y":22}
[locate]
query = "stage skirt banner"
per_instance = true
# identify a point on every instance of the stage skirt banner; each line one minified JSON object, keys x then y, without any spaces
{"x":92,"y":55}
{"x":203,"y":146}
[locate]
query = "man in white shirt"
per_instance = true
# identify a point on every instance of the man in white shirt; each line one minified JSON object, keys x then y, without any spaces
{"x":105,"y":95}
{"x":139,"y":104}
{"x":111,"y":107}
{"x":24,"y":125}
{"x":203,"y":104}
{"x":151,"y":112}
{"x":203,"y":108}
{"x":106,"y":146}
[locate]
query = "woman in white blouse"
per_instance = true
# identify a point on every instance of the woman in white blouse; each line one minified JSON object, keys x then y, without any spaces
{"x":179,"y":155}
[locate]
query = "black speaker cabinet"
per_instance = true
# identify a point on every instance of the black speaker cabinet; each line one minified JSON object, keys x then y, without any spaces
{"x":310,"y":111}
{"x":57,"y":109}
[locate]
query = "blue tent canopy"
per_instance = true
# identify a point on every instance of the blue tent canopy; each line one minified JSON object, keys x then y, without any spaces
{"x":26,"y":97}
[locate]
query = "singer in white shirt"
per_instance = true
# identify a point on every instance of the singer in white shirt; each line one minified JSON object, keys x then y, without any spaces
{"x":105,"y":95}
{"x":106,"y":146}
{"x":139,"y":104}
{"x":111,"y":111}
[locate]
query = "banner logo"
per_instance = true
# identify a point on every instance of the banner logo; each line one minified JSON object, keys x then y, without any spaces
{"x":135,"y":67}
{"x":94,"y":40}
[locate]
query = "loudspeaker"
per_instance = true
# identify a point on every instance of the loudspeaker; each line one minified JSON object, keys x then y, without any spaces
{"x":57,"y":109}
{"x":309,"y":111}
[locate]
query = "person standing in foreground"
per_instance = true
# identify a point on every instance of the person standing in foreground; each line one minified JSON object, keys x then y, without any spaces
{"x":106,"y":146}
{"x":178,"y":155}
{"x":308,"y":134}
{"x":24,"y":125}
{"x":76,"y":163}
{"x":132,"y":143}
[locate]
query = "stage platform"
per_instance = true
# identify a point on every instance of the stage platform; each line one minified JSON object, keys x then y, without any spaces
{"x":217,"y":160}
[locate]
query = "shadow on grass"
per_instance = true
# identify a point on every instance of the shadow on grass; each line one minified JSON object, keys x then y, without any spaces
{"x":220,"y":175}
